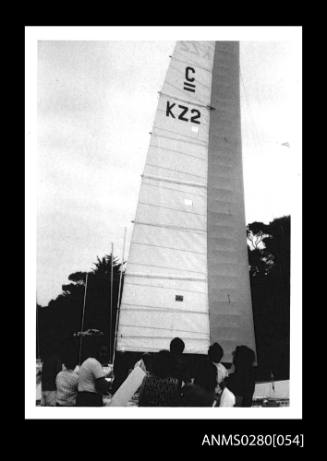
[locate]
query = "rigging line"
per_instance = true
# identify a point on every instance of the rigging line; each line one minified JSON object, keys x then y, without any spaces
{"x":174,"y":181}
{"x":169,"y":248}
{"x":165,"y":277}
{"x":190,"y":63}
{"x":173,"y":209}
{"x":179,"y":152}
{"x":165,"y":288}
{"x":125,"y":325}
{"x":174,"y":190}
{"x":172,"y":227}
{"x":145,"y":307}
{"x":165,"y":267}
{"x":174,"y":170}
{"x":205,"y":106}
{"x":180,"y":140}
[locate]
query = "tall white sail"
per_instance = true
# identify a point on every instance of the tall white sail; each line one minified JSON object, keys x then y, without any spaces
{"x":185,"y":256}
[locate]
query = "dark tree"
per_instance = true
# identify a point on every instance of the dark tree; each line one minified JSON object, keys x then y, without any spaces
{"x":62,"y":318}
{"x":269,"y":259}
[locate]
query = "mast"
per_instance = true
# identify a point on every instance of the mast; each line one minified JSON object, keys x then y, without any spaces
{"x":230,"y":307}
{"x":82,"y":322}
{"x":119,"y":295}
{"x":111,"y":300}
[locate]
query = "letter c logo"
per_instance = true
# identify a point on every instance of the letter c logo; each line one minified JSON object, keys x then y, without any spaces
{"x":189,"y":70}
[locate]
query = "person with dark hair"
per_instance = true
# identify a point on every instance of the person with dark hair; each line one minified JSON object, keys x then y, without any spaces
{"x":92,"y":384}
{"x":241,"y":382}
{"x":67,"y":381}
{"x":177,"y":346}
{"x":159,"y":388}
{"x":179,"y":367}
{"x":201,"y":393}
{"x":215,"y":354}
{"x":50,"y":368}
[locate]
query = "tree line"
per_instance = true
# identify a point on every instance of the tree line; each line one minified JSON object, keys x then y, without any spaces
{"x":269,"y":269}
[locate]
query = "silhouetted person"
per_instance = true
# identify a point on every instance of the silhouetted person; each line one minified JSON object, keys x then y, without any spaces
{"x":242,"y":381}
{"x":159,"y":388}
{"x":177,"y":346}
{"x":50,"y":368}
{"x":91,"y":383}
{"x":201,"y":393}
{"x":215,"y":354}
{"x":179,"y":366}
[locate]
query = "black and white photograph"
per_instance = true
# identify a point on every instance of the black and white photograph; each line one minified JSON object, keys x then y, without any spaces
{"x":163,"y":222}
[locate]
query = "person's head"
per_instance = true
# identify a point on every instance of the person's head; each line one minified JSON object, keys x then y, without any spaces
{"x":69,"y":360}
{"x":162,"y":364}
{"x":206,"y":376}
{"x":103,"y":353}
{"x":90,"y":348}
{"x":243,"y":357}
{"x":215,"y":353}
{"x":177,"y":346}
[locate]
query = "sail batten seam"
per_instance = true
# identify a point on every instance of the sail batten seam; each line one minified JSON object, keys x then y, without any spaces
{"x":170,"y":226}
{"x":199,"y":104}
{"x":173,"y":181}
{"x":170,"y":248}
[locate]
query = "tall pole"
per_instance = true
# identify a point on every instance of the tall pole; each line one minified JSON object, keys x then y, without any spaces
{"x":37,"y":333}
{"x":111,"y":297}
{"x":82,"y":323}
{"x":118,"y":299}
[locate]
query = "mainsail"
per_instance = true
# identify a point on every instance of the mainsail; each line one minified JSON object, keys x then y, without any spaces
{"x":187,"y":272}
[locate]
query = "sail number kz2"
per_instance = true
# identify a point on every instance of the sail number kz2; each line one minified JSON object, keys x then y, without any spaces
{"x":183,"y":113}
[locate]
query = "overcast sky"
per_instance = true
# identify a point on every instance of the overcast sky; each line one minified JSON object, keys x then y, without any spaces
{"x":96,"y":105}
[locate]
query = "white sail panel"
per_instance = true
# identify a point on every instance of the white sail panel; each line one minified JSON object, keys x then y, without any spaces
{"x":165,"y":292}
